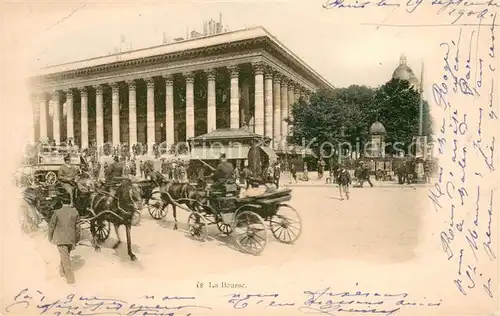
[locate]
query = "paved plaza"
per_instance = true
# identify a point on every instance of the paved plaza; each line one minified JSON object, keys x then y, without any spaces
{"x":377,"y":225}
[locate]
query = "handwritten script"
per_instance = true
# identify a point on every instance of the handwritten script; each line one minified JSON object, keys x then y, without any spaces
{"x":324,"y":301}
{"x":458,"y":11}
{"x":73,"y":304}
{"x":464,"y":193}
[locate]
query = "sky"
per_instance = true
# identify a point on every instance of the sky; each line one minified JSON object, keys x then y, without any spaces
{"x":334,"y":43}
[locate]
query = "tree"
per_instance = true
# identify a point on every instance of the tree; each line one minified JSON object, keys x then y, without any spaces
{"x":396,"y":106}
{"x":346,"y":114}
{"x":326,"y":118}
{"x":357,"y":100}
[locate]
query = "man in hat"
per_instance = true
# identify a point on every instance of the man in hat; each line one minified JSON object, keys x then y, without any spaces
{"x":67,"y":175}
{"x":365,"y":174}
{"x":343,"y":181}
{"x":115,"y":170}
{"x":65,"y":233}
{"x":223,"y":173}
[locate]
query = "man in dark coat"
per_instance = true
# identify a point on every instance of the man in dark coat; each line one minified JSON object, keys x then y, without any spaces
{"x":223,"y":173}
{"x":65,"y":233}
{"x":224,"y":170}
{"x":365,"y":175}
{"x":67,"y":175}
{"x":344,"y":181}
{"x":115,"y":170}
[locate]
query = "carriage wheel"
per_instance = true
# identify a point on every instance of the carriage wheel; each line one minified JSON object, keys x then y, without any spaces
{"x":285,"y":224}
{"x":224,"y":228}
{"x":249,"y":232}
{"x":157,"y":210}
{"x":50,"y":178}
{"x":197,"y":226}
{"x":100,"y":229}
{"x":136,"y":218}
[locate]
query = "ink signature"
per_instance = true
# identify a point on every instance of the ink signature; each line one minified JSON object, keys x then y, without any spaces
{"x":457,"y":9}
{"x":326,"y":301}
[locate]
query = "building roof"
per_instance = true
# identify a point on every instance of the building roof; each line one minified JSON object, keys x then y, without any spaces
{"x":404,"y":72}
{"x":377,"y":129}
{"x":229,"y":133}
{"x":191,"y":48}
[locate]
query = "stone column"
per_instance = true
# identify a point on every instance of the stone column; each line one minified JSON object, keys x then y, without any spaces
{"x":150,"y":114}
{"x":56,"y":117}
{"x":297,"y":93}
{"x":42,"y":101}
{"x":258,"y":69}
{"x":99,"y":117}
{"x":189,"y":105}
{"x":70,"y":119}
{"x":284,"y":111}
{"x":115,"y":112}
{"x":268,"y":105}
{"x":132,"y":113}
{"x":277,"y":110}
{"x":84,"y":118}
{"x":291,"y":101}
{"x":169,"y":110}
{"x":211,"y":106}
{"x":35,"y":115}
{"x":234,"y":114}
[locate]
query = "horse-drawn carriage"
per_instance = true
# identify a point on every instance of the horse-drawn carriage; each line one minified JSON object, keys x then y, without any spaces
{"x":45,"y":165}
{"x":242,"y":216}
{"x":96,"y":206}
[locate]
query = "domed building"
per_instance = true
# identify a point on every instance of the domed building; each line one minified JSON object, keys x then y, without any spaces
{"x":404,"y":72}
{"x":377,"y":144}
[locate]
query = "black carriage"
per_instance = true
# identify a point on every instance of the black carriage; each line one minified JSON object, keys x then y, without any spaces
{"x":44,"y":199}
{"x":245,"y":218}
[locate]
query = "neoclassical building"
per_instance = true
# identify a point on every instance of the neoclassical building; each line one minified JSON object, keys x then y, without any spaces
{"x":173,"y":92}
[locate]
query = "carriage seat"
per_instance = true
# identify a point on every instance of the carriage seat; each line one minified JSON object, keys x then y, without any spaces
{"x":225,"y":189}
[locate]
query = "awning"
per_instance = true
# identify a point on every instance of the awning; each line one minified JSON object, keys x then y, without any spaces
{"x":270,"y":153}
{"x":214,"y":153}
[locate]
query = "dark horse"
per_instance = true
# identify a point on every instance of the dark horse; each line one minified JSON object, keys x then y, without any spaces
{"x":173,"y":193}
{"x":118,"y":209}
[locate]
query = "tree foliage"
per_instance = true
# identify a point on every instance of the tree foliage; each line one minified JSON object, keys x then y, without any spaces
{"x":346,"y":114}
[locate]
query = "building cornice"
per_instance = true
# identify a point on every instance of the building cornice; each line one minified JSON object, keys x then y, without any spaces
{"x":161,"y":57}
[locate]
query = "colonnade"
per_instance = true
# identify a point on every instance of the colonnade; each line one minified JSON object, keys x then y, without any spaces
{"x":274,"y":95}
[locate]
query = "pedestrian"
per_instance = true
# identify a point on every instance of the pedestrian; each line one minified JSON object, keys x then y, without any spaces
{"x":365,"y":175}
{"x":65,"y":233}
{"x":277,"y":174}
{"x":343,"y":181}
{"x":141,"y":168}
{"x":306,"y":173}
{"x":293,"y":172}
{"x":321,"y":168}
{"x":236,"y":174}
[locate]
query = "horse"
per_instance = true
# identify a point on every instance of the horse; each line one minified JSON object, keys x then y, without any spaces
{"x":181,"y":194}
{"x":118,"y":209}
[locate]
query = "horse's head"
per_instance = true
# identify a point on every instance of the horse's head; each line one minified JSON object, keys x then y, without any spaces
{"x":129,"y":191}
